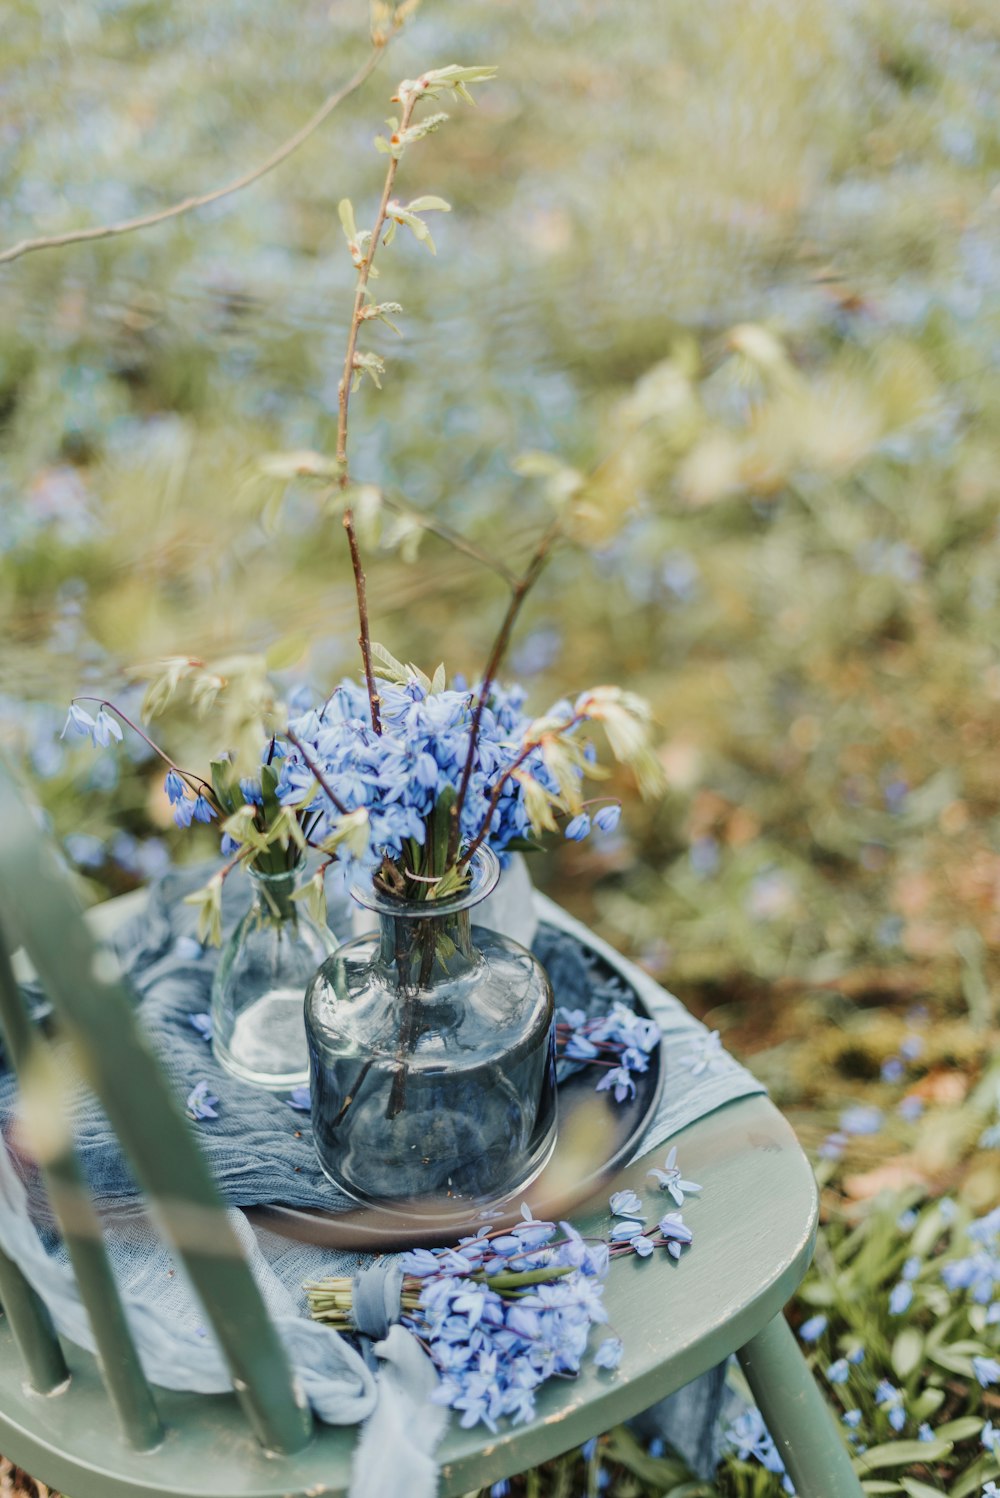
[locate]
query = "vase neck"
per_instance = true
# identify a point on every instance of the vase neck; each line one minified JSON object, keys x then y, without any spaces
{"x":273,"y":893}
{"x":419,"y":950}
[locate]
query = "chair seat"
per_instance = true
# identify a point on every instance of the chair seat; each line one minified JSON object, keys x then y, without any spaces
{"x":754,"y":1226}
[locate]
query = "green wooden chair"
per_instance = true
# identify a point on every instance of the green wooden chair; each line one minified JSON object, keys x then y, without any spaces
{"x":93,"y":1427}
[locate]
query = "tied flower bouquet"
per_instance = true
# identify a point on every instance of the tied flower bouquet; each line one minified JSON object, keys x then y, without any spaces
{"x":430,"y":1048}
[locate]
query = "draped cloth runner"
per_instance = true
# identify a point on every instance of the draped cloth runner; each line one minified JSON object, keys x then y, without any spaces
{"x":260,"y":1151}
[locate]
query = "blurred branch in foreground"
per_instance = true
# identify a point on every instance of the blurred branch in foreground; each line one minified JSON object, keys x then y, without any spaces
{"x":187,"y":205}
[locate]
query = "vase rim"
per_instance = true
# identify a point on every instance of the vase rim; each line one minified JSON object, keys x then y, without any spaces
{"x":263,"y":877}
{"x":484,"y":869}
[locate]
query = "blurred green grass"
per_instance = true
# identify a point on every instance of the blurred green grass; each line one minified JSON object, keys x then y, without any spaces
{"x":798,"y":561}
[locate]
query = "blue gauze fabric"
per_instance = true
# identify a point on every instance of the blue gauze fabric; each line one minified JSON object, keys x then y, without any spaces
{"x":260,"y":1151}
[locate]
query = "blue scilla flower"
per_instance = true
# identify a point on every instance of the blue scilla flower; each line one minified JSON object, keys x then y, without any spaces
{"x":609,"y":1353}
{"x":671,"y":1180}
{"x":861,"y":1119}
{"x":200,"y":1103}
{"x":578,"y":827}
{"x":987,"y":1371}
{"x":813,"y":1329}
{"x":78,"y":721}
{"x":202,"y":810}
{"x":900,"y":1297}
{"x":105,"y":729}
{"x":608,"y":817}
{"x":892,"y":1402}
{"x":174,"y":787}
{"x":184,"y":812}
{"x":851,"y":1418}
{"x":626,"y":1204}
{"x":838,"y":1372}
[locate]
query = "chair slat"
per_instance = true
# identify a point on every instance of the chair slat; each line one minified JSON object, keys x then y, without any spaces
{"x":124,"y":1073}
{"x":74,"y":1212}
{"x":33,"y":1330}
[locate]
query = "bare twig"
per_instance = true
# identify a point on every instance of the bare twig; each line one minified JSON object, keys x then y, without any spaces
{"x":364,"y":271}
{"x":346,"y":380}
{"x":519,"y":592}
{"x":364,"y":632}
{"x":515,"y":764}
{"x":316,"y":772}
{"x":187,"y":205}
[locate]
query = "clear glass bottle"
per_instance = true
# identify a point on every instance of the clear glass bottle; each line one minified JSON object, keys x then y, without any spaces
{"x":431,"y":1051}
{"x":258,"y":1027}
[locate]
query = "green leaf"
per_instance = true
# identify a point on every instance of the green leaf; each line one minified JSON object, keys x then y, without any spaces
{"x":388,"y":667}
{"x":439,"y":679}
{"x":918,"y":1489}
{"x":907,"y":1350}
{"x":345,"y":212}
{"x":876,"y":1485}
{"x":313,"y":893}
{"x":442,"y":827}
{"x":523,"y":845}
{"x":226,"y":786}
{"x":901,"y":1454}
{"x":961,"y":1429}
{"x":429,"y":204}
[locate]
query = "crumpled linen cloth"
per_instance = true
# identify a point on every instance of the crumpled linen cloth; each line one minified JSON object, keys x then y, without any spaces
{"x":260,"y":1151}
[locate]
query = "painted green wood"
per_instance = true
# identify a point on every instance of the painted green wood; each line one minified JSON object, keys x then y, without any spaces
{"x":797,"y":1415}
{"x":34,"y":1343}
{"x":130,"y":1393}
{"x":753,"y":1224}
{"x":41,"y":910}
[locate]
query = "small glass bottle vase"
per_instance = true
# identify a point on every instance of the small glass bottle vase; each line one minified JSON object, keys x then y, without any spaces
{"x":258,"y":1026}
{"x":431,"y":1052}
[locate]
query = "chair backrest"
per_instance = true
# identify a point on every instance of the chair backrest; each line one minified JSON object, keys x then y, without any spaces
{"x":39,"y":909}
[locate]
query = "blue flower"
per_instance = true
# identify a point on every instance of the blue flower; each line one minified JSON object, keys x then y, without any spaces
{"x":670,"y":1179}
{"x":892,"y":1402}
{"x":202,"y":811}
{"x":833,"y":1147}
{"x":907,"y":1221}
{"x":862,"y":1119}
{"x":609,"y":1353}
{"x":856,"y":1355}
{"x":620,"y":1078}
{"x":838,"y":1372}
{"x":105,"y":729}
{"x":851,"y":1418}
{"x":642,"y":1245}
{"x":578,"y":827}
{"x":200,"y":1103}
{"x":899,"y":1298}
{"x":910,"y":1109}
{"x":79,"y":721}
{"x":626,"y":1204}
{"x":924,"y":1432}
{"x":813,"y":1329}
{"x":987,"y":1371}
{"x":174,"y":787}
{"x":608,"y":817}
{"x":183,"y":812}
{"x":990,"y":1437}
{"x":893,"y":1070}
{"x":202,"y":1023}
{"x":624,"y":1232}
{"x":298,"y":1098}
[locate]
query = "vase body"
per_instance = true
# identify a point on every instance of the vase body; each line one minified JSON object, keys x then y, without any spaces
{"x":431,"y":1050}
{"x":258,"y":1027}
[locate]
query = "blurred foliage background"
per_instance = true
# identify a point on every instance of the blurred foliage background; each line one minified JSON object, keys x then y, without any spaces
{"x":748,"y":248}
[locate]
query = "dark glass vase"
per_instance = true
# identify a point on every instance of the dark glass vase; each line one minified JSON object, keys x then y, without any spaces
{"x":431,"y":1052}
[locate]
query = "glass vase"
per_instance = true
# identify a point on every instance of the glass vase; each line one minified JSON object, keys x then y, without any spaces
{"x":258,"y":1027}
{"x":431,"y":1051}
